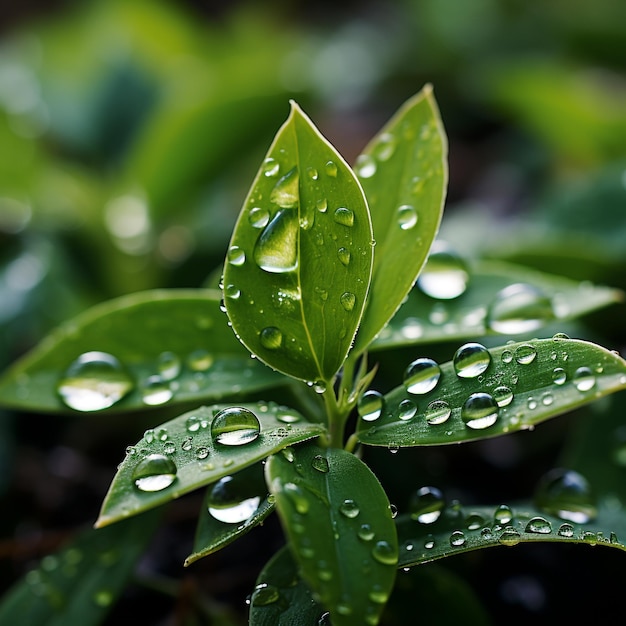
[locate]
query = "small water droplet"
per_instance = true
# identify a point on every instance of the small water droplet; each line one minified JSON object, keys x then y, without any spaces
{"x":156,"y":391}
{"x":539,"y":526}
{"x":271,"y":167}
{"x":507,"y":357}
{"x":331,"y":169}
{"x":169,"y":447}
{"x":509,"y":537}
{"x":322,"y":205}
{"x":271,"y":338}
{"x":168,"y":365}
{"x":202,"y":453}
{"x":412,"y":328}
{"x":421,"y":376}
{"x":426,"y":505}
{"x":232,"y":291}
{"x":349,"y":508}
{"x":320,"y":463}
{"x":230,"y":502}
{"x":445,"y":275}
{"x":457,"y":538}
{"x":365,"y":166}
{"x":525,"y":354}
{"x":200,"y":360}
{"x":479,"y":411}
{"x":343,"y":254}
{"x":474,"y":521}
{"x":547,"y":399}
{"x":429,"y":542}
{"x":407,"y":217}
{"x":566,"y":530}
{"x":236,"y":256}
{"x":264,"y":595}
{"x":406,"y":409}
{"x":276,"y":249}
{"x":519,"y":308}
{"x":94,"y":381}
{"x":378,"y":596}
{"x":384,"y":553}
{"x":559,"y":376}
{"x":584,"y":379}
{"x":370,"y":405}
{"x":312,"y":173}
{"x":365,"y":532}
{"x":344,"y":216}
{"x":503,"y":395}
{"x":235,"y":426}
{"x":567,"y":495}
{"x":385,"y":146}
{"x":258,"y":217}
{"x":471,"y":360}
{"x":297,"y":498}
{"x":348,"y":300}
{"x":154,"y":473}
{"x":503,"y":514}
{"x":438,"y":412}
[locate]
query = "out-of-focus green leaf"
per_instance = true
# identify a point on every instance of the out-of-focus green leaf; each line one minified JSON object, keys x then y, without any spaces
{"x":167,"y":346}
{"x":183,"y":454}
{"x":232,"y":506}
{"x":404,"y":173}
{"x":299,"y":260}
{"x":339,"y":523}
{"x":80,"y":584}
{"x":504,"y":389}
{"x":281,"y":596}
{"x":500,"y":298}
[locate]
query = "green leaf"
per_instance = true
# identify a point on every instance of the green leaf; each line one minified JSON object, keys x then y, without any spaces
{"x":165,"y":347}
{"x":281,"y":596}
{"x":404,"y":173}
{"x":524,"y":383}
{"x":338,"y":520}
{"x":299,"y":262}
{"x":232,"y":506}
{"x":80,"y":584}
{"x":182,"y":455}
{"x":500,"y":298}
{"x":462,"y":529}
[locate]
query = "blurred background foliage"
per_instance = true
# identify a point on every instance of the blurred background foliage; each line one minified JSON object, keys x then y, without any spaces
{"x":130,"y":132}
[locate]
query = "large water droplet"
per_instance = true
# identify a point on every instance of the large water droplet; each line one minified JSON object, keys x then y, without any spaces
{"x":407,"y":409}
{"x":370,"y":405}
{"x":349,"y":508}
{"x":365,"y":166}
{"x":479,"y":411}
{"x":276,"y":249}
{"x":94,"y":381}
{"x":559,"y":376}
{"x":286,"y":192}
{"x":584,"y":379}
{"x":320,"y":463}
{"x":344,"y":216}
{"x":271,"y":338}
{"x":525,"y":354}
{"x":438,"y":412}
{"x":271,"y":167}
{"x":519,"y":308}
{"x":502,"y":395}
{"x":471,"y":360}
{"x":503,"y":514}
{"x":384,"y":553}
{"x":154,"y":473}
{"x":156,"y":391}
{"x":331,"y":169}
{"x":445,"y":275}
{"x":407,"y":217}
{"x":566,"y":494}
{"x":348,"y":300}
{"x":510,"y":537}
{"x":457,"y":538}
{"x":538,"y":526}
{"x":235,"y":426}
{"x":426,"y":505}
{"x":421,"y":376}
{"x":230,"y":502}
{"x":258,"y":217}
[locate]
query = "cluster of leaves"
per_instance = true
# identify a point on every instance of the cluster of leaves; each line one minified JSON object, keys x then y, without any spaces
{"x":327,"y":265}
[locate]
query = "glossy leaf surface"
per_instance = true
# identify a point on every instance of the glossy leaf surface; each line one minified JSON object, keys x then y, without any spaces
{"x":501,"y":390}
{"x":299,"y":262}
{"x":79,"y":585}
{"x":404,"y":173}
{"x":535,"y":300}
{"x":182,"y":455}
{"x":161,"y":347}
{"x":339,"y":524}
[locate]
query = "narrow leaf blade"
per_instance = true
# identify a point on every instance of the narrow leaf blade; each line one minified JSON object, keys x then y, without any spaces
{"x":338,"y":520}
{"x":299,"y":261}
{"x":404,"y":174}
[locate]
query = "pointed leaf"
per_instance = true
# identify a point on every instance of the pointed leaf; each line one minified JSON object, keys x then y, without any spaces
{"x":80,"y":584}
{"x":338,"y":520}
{"x":282,"y":597}
{"x":232,"y":506}
{"x":500,"y":298}
{"x":154,"y":347}
{"x":182,"y":455}
{"x":299,"y":262}
{"x":404,"y":173}
{"x":521,"y":385}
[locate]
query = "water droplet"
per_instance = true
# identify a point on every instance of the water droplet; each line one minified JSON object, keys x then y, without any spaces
{"x":479,"y":411}
{"x":445,"y":275}
{"x":349,"y":508}
{"x":156,"y":391}
{"x":94,"y":381}
{"x":236,"y":256}
{"x":471,"y":360}
{"x":344,"y":216}
{"x":200,"y":360}
{"x":421,"y":376}
{"x":412,"y":328}
{"x":264,"y":595}
{"x":503,"y":514}
{"x":258,"y":217}
{"x":276,"y":249}
{"x":384,"y":553}
{"x":331,"y":169}
{"x":519,"y":308}
{"x":271,"y":167}
{"x":429,"y":542}
{"x":378,"y":596}
{"x":312,"y":173}
{"x":229,"y":502}
{"x":202,"y":453}
{"x":168,"y":365}
{"x":525,"y":354}
{"x":566,"y":530}
{"x":154,"y":473}
{"x":365,"y":166}
{"x":406,"y":409}
{"x":510,"y":537}
{"x":322,"y":205}
{"x":426,"y":505}
{"x":503,"y":396}
{"x":365,"y":532}
{"x":457,"y":538}
{"x":385,"y":146}
{"x":539,"y":526}
{"x":320,"y":463}
{"x":584,"y":379}
{"x":407,"y":217}
{"x":348,"y":300}
{"x":343,"y":254}
{"x":559,"y":376}
{"x":232,"y":291}
{"x":297,"y":498}
{"x":271,"y":338}
{"x":169,"y":447}
{"x":370,"y":405}
{"x":474,"y":521}
{"x":547,"y":399}
{"x":566,"y":494}
{"x":507,"y":357}
{"x":286,"y":192}
{"x":438,"y":412}
{"x":235,"y":426}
